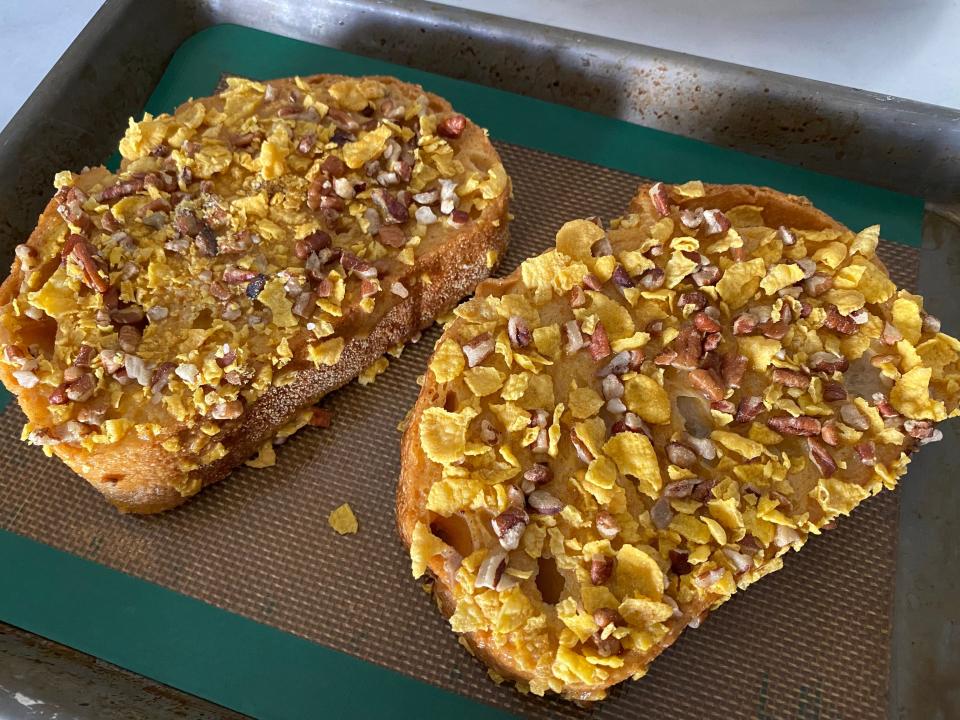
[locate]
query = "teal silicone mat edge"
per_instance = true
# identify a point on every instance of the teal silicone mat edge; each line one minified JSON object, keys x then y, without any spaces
{"x":202,"y":649}
{"x":257,"y":669}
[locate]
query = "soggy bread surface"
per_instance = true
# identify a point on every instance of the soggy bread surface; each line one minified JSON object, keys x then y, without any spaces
{"x":631,"y":427}
{"x":257,"y":249}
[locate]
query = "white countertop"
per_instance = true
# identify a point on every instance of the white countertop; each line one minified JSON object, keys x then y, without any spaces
{"x":906,"y":48}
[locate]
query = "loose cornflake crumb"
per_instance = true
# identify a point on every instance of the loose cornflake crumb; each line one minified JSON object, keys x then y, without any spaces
{"x":343,"y":521}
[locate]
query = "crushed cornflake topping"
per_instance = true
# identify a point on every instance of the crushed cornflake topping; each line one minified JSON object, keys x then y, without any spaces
{"x":343,"y":521}
{"x":246,"y":236}
{"x":654,"y":414}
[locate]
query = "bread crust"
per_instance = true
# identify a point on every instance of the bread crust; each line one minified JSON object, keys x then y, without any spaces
{"x":149,"y":475}
{"x":418,"y":473}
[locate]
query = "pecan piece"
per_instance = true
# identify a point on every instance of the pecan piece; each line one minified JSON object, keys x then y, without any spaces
{"x":833,"y":391}
{"x":478,"y":349}
{"x":774,"y":330}
{"x":732,"y":369}
{"x":651,"y":279}
{"x":538,"y":474}
{"x":452,"y":126}
{"x":828,"y":363}
{"x":817,"y":284}
{"x":704,"y":323}
{"x":716,"y":221}
{"x":83,"y":252}
{"x":519,"y":332}
{"x":680,"y":455}
{"x":660,"y":199}
{"x":744,"y":324}
{"x":791,"y":378}
{"x":120,"y":190}
{"x":621,"y":278}
{"x":708,"y":275}
{"x":749,"y":408}
{"x":688,"y":348}
{"x":867,"y":452}
{"x":695,"y":298}
{"x":601,"y":568}
{"x":839,"y":323}
{"x":821,"y":456}
{"x":509,"y":527}
{"x":599,"y":343}
{"x":707,"y":384}
{"x":789,"y":425}
{"x":607,"y":524}
{"x":544,"y":503}
{"x":830,"y":433}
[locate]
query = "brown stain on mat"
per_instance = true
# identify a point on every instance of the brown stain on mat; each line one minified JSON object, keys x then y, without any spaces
{"x":811,"y":641}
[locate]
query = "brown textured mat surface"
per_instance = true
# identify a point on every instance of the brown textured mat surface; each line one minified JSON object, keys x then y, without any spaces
{"x":811,"y":641}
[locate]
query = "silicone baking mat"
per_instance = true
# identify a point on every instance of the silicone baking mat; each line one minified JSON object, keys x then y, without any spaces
{"x":811,"y":641}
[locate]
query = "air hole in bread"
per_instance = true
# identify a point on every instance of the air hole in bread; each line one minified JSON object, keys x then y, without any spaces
{"x":111,"y":478}
{"x":455,"y":532}
{"x":550,"y":582}
{"x":450,"y":402}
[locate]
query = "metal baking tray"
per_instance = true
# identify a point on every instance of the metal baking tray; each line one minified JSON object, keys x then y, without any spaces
{"x":109,"y":71}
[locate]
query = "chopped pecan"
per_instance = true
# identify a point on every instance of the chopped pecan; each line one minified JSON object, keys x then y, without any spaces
{"x":830,"y":433}
{"x":519,"y":332}
{"x":867,"y":452}
{"x":786,"y":236}
{"x":883,"y":406}
{"x":660,"y":199}
{"x":206,"y":241}
{"x":890,"y":334}
{"x":817,"y":284}
{"x":724,"y":406}
{"x":606,"y":646}
{"x":661,"y":513}
{"x":930,"y":324}
{"x":538,"y":474}
{"x":57,"y":396}
{"x":83,"y":252}
{"x":744,"y":324}
{"x":680,"y":488}
{"x":577,"y":297}
{"x":601,"y":568}
{"x":707,"y":384}
{"x":606,"y":616}
{"x":129,"y":315}
{"x":651,"y":279}
{"x":839,"y":323}
{"x":923,"y":430}
{"x":691,"y":217}
{"x":716,"y":221}
{"x":478,"y":349}
{"x":748,"y":408}
{"x":128,"y":338}
{"x":236,"y":276}
{"x":791,"y":378}
{"x":227,"y":410}
{"x":218,"y":290}
{"x":452,"y":126}
{"x":821,"y":456}
{"x":120,"y":190}
{"x":509,"y":527}
{"x":583,"y":452}
{"x":305,"y":304}
{"x":621,"y":278}
{"x":606,"y":524}
{"x":544,"y":503}
{"x":599,"y":343}
{"x":789,"y":425}
{"x":703,"y":490}
{"x":393,"y":210}
{"x":696,"y":299}
{"x":704,"y":323}
{"x":825,"y":362}
{"x":680,"y":455}
{"x":834,"y":391}
{"x":732,"y":369}
{"x":592,"y":282}
{"x":706,"y":276}
{"x":688,"y":347}
{"x":774,"y":330}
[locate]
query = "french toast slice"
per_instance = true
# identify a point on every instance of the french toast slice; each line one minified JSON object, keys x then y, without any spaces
{"x":628,"y":429}
{"x":257,"y":249}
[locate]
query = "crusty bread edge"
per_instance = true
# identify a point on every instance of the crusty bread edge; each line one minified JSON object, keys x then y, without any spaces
{"x":417,"y":473}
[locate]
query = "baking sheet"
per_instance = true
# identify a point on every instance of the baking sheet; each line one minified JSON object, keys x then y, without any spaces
{"x":258,"y":544}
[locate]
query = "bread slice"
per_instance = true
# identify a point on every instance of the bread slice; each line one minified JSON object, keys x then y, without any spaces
{"x":258,"y":249}
{"x":626,"y":430}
